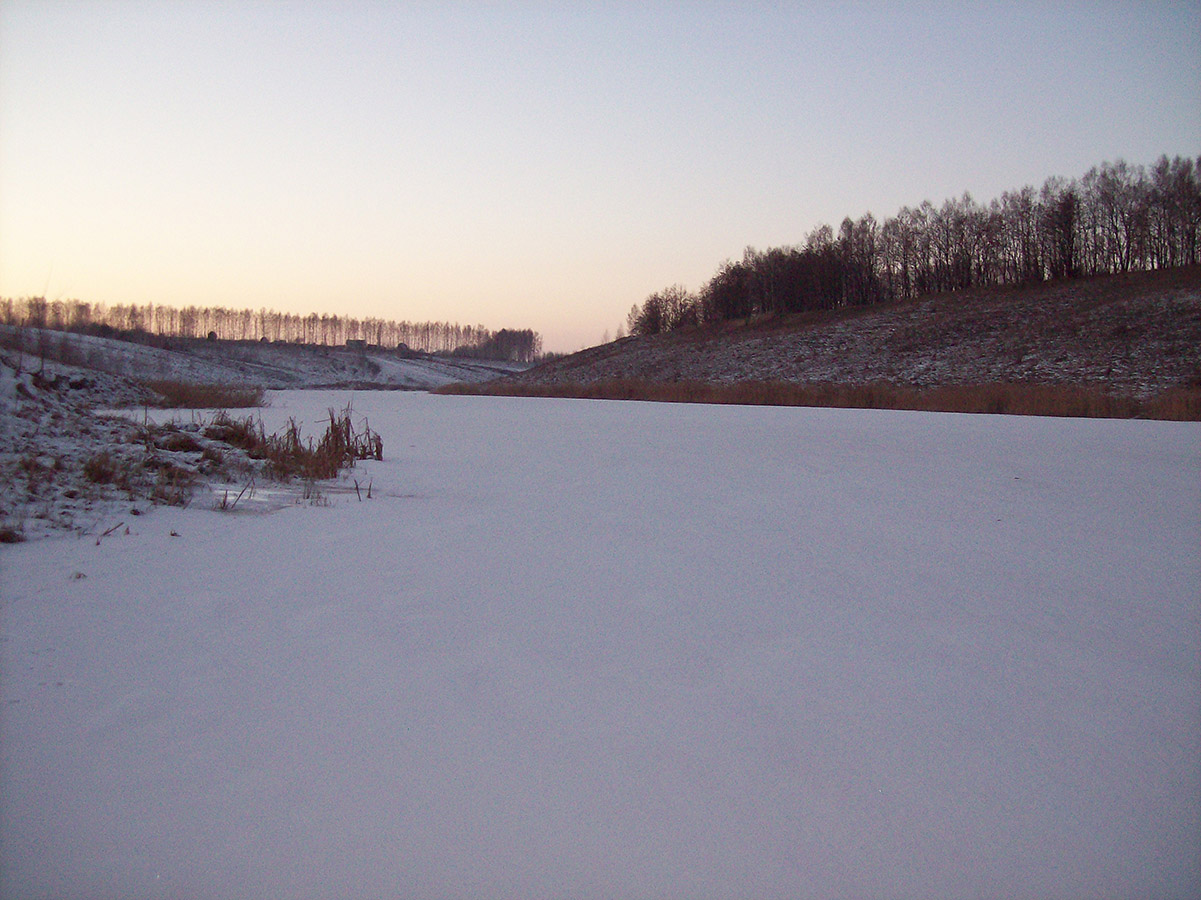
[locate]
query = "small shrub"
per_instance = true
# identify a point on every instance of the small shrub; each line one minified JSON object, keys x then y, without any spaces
{"x":11,"y":534}
{"x":100,"y":469}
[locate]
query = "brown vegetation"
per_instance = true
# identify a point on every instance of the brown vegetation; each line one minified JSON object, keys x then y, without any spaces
{"x":289,"y":455}
{"x":182,"y":394}
{"x":101,"y":469}
{"x":340,"y":447}
{"x":1178,"y":404}
{"x":62,"y":465}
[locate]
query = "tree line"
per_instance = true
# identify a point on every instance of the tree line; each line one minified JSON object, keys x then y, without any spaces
{"x":1116,"y":218}
{"x":149,"y":321}
{"x":521,"y":345}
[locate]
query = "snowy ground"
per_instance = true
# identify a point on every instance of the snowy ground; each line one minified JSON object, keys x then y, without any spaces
{"x":596,"y":649}
{"x":246,"y":363}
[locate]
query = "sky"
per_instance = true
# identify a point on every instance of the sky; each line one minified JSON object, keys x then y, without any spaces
{"x":534,"y":165}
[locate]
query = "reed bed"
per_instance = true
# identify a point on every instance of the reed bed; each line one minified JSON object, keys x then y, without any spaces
{"x":1176,"y":404}
{"x":289,"y":455}
{"x":188,"y":395}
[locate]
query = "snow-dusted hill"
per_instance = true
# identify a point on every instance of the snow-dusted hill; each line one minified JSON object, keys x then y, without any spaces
{"x":594,"y":650}
{"x":1136,"y":334}
{"x":274,"y":366}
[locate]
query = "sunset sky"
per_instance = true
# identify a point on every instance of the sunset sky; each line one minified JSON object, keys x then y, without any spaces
{"x":534,"y":165}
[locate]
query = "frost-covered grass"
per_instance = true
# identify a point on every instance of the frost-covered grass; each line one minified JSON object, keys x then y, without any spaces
{"x":591,"y":649}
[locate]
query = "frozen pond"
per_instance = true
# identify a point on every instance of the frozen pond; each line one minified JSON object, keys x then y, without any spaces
{"x":596,"y":649}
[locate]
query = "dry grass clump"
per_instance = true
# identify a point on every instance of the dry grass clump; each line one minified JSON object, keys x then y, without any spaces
{"x":173,"y":486}
{"x":1177,"y":404}
{"x":245,"y":434}
{"x":183,"y":394}
{"x":178,"y":442}
{"x":289,"y":455}
{"x":101,"y":468}
{"x":339,"y":448}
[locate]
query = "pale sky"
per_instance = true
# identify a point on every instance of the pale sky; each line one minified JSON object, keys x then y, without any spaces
{"x":534,"y":165}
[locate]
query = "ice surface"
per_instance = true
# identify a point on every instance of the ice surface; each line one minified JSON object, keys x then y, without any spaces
{"x":598,"y":649}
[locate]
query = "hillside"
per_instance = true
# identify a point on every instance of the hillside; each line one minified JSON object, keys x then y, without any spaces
{"x":271,"y":365}
{"x":1135,"y":335}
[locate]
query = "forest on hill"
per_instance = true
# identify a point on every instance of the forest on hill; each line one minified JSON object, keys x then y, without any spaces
{"x":154,"y":324}
{"x":1116,"y":218}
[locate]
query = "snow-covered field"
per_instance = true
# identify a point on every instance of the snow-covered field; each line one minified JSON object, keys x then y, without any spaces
{"x":597,"y":649}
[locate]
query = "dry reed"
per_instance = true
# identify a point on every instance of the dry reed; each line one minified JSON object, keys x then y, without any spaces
{"x":183,"y":394}
{"x":289,"y":455}
{"x":1177,"y":404}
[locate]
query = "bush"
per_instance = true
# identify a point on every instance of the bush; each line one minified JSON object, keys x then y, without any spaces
{"x":100,"y":469}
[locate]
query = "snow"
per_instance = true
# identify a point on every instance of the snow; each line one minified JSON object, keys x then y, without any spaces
{"x":270,"y":365}
{"x":598,"y":649}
